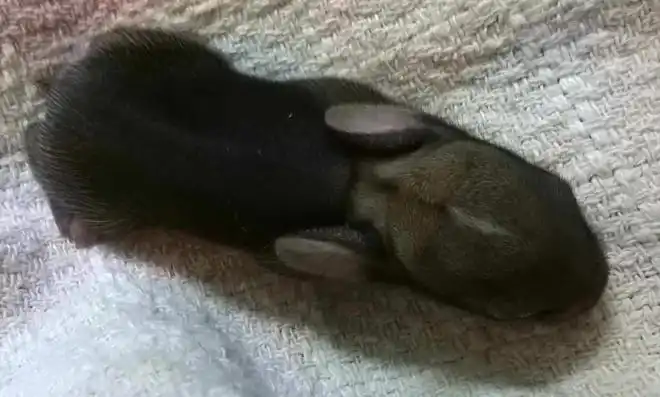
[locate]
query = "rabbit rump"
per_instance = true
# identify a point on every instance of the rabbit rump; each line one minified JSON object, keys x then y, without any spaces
{"x":151,"y":128}
{"x":464,"y":220}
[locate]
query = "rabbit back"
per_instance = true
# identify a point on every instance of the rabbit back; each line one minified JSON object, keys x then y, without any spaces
{"x":168,"y":134}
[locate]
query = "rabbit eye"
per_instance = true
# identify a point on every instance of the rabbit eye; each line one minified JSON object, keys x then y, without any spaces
{"x":388,"y":186}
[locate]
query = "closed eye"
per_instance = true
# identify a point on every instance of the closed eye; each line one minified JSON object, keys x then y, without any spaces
{"x":387,"y":186}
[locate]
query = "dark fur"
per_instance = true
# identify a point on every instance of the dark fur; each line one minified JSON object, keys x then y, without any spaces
{"x":152,"y":129}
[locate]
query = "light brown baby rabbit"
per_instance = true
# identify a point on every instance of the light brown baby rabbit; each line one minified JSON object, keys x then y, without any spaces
{"x":469,"y":222}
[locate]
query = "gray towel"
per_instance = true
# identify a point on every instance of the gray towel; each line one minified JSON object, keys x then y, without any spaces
{"x":573,"y":85}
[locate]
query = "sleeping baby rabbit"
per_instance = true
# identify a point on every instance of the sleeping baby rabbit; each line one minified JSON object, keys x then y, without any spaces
{"x":154,"y":129}
{"x":467,"y":221}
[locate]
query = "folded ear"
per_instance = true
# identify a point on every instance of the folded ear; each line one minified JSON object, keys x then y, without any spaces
{"x":378,"y":126}
{"x":337,"y":253}
{"x":318,"y":258}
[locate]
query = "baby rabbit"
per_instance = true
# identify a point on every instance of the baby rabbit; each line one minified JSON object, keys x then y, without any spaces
{"x":464,"y":220}
{"x":154,"y":129}
{"x":150,"y":128}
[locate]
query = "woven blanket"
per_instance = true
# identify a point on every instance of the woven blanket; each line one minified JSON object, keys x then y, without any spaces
{"x":572,"y":85}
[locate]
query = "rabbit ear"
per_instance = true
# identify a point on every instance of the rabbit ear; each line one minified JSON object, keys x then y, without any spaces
{"x":320,"y":258}
{"x":336,"y":253}
{"x":378,"y":126}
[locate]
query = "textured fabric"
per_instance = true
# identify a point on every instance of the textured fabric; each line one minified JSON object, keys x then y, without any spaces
{"x":572,"y":84}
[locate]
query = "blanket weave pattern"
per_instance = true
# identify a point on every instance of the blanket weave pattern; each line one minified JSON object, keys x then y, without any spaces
{"x":572,"y":85}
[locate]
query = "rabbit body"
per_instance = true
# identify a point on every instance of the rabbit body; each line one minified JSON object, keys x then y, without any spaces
{"x":151,"y":129}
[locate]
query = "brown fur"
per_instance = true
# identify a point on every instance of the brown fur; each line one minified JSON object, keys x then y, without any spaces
{"x":471,"y":223}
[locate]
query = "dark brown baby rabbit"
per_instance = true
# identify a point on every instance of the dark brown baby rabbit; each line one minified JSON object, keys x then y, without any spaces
{"x":471,"y":223}
{"x":154,"y":129}
{"x":151,"y":128}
